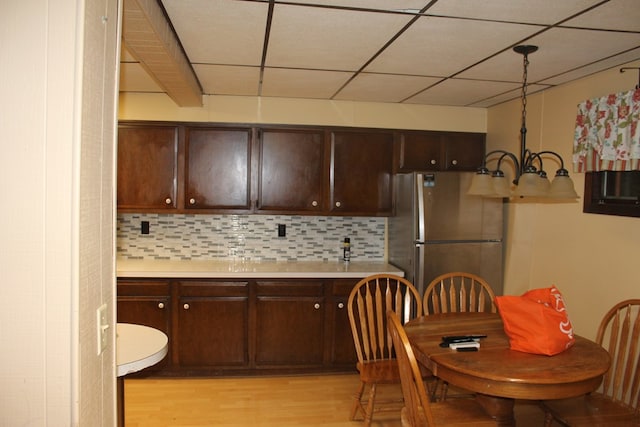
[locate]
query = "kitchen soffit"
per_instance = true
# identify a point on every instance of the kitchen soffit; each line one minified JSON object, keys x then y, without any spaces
{"x":440,"y":52}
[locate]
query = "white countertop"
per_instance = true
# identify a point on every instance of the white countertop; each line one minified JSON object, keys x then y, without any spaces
{"x":251,"y":269}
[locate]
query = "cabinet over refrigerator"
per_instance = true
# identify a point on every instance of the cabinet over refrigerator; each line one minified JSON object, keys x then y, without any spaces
{"x":437,"y":228}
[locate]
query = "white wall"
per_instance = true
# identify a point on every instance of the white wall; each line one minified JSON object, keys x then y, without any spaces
{"x":56,"y":226}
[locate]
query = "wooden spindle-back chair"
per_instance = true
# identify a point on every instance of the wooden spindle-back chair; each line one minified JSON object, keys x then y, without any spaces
{"x":368,"y":304}
{"x":458,"y":292}
{"x":616,"y":403}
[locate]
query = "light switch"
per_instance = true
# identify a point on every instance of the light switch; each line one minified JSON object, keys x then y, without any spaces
{"x":102,"y":326}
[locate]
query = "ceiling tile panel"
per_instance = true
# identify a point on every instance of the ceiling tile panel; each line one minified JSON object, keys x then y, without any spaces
{"x":328,"y":39}
{"x":614,"y":15}
{"x":313,"y":84}
{"x":368,"y":4}
{"x":224,"y":32}
{"x":503,"y":97}
{"x":228,"y":79}
{"x":443,"y":46}
{"x":460,"y":92}
{"x":384,"y":87}
{"x":546,"y":12}
{"x":594,"y":68}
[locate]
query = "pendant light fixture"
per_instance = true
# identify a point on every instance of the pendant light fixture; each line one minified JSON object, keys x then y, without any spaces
{"x":530,"y":177}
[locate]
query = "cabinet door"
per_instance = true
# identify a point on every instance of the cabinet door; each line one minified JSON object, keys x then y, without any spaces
{"x":213,"y":324}
{"x":290,"y":323}
{"x":146,"y":303}
{"x":361,"y":168}
{"x":440,"y":151}
{"x":147,"y":167}
{"x":291,"y":170}
{"x":218,"y":168}
{"x":420,"y":151}
{"x":342,"y":349}
{"x":464,"y":151}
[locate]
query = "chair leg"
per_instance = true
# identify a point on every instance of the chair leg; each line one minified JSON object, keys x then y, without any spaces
{"x":357,"y":402}
{"x":369,"y":412}
{"x":433,"y":389}
{"x":444,"y":387}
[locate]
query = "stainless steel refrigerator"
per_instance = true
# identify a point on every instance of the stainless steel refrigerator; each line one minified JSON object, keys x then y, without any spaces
{"x":437,"y":228}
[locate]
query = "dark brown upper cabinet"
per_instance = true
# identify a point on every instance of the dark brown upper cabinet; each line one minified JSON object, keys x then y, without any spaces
{"x":148,"y":159}
{"x":360,"y":172}
{"x":291,"y":171}
{"x":440,"y":151}
{"x":218,"y":168}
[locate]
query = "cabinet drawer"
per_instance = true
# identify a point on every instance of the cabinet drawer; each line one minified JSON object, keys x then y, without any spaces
{"x":142,"y":287}
{"x":294,"y":288}
{"x":343,"y":287}
{"x":214,"y":289}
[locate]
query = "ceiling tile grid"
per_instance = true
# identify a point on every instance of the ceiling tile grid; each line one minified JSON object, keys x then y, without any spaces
{"x":439,"y":52}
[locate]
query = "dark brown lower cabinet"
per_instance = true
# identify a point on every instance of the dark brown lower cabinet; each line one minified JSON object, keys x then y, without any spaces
{"x":247,"y":327}
{"x":289,"y":323}
{"x":212,"y":325}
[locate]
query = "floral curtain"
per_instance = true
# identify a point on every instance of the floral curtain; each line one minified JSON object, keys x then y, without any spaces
{"x":607,"y":136}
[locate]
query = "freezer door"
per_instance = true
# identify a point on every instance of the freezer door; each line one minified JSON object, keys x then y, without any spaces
{"x":450,"y":214}
{"x":483,"y":259}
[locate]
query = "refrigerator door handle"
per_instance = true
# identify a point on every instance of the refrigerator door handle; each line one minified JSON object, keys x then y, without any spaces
{"x":420,"y":237}
{"x":419,"y":268}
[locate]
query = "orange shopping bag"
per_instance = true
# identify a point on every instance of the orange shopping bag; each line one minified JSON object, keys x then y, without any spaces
{"x":537,"y":321}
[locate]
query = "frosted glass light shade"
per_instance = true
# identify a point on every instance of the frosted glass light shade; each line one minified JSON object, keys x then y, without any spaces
{"x":562,"y":188}
{"x":481,"y":185}
{"x":501,"y":186}
{"x":528,"y":185}
{"x":543,"y":185}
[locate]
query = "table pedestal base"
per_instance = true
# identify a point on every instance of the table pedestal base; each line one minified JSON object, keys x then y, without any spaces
{"x":499,"y":408}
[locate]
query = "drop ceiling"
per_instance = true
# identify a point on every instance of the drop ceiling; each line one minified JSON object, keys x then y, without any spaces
{"x":439,"y":52}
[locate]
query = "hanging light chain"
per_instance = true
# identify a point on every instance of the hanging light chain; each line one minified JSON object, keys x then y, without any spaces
{"x":525,"y":61}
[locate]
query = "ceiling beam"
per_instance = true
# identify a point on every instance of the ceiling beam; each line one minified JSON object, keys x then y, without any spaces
{"x":150,"y":38}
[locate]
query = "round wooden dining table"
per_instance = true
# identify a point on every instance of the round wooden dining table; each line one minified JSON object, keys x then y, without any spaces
{"x":497,"y":374}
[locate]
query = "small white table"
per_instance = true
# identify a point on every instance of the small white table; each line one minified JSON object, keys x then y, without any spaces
{"x":137,"y":347}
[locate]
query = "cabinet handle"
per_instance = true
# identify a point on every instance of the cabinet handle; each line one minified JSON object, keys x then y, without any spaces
{"x":338,"y":204}
{"x":314,"y":203}
{"x":340,"y":305}
{"x":433,"y":161}
{"x":160,"y":305}
{"x":316,"y":306}
{"x":192,"y":201}
{"x":454,"y":162}
{"x":186,"y":306}
{"x":167,"y":200}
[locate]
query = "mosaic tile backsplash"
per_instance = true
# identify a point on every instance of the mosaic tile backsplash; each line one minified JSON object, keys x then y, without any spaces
{"x":249,"y":237}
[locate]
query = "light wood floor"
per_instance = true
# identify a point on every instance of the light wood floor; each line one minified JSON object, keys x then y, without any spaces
{"x":264,"y":401}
